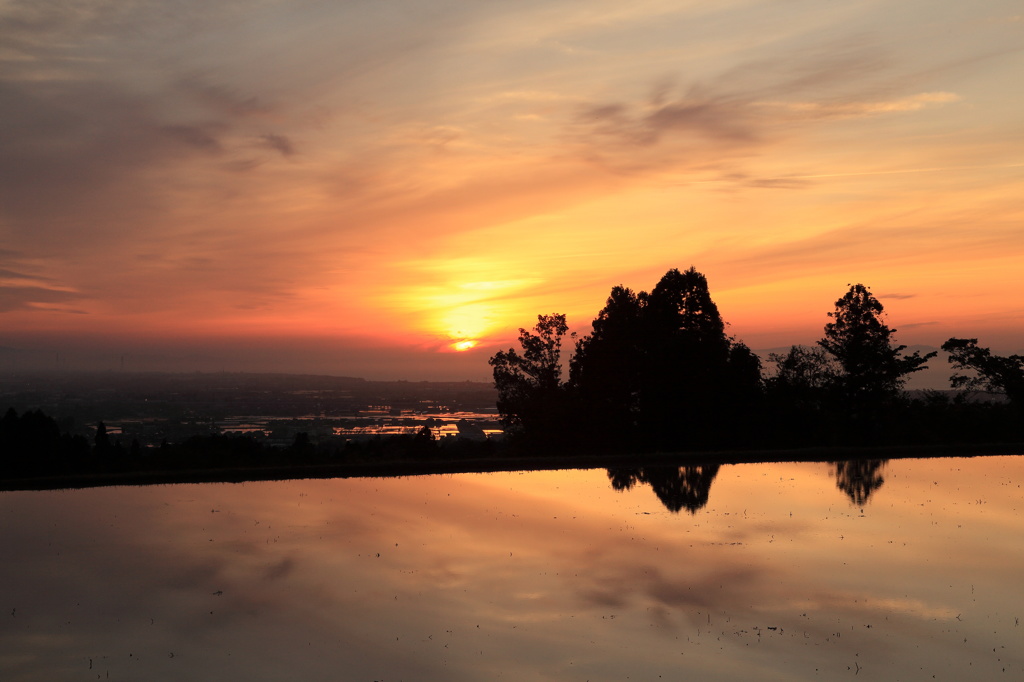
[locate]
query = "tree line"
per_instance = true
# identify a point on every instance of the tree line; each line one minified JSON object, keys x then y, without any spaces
{"x":659,"y":372}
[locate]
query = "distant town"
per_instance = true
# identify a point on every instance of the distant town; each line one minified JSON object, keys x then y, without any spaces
{"x":154,"y":408}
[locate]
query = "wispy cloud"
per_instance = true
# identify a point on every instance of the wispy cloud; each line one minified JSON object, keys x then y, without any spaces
{"x":281,"y":163}
{"x":34,"y":297}
{"x":716,"y":117}
{"x":743,"y":111}
{"x":899,"y":240}
{"x":279,"y":143}
{"x":844,"y":109}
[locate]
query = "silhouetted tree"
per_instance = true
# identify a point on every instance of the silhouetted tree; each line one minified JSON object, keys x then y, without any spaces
{"x":9,"y":422}
{"x":989,"y":373}
{"x":872,"y":368}
{"x":103,"y":449}
{"x":423,"y":443}
{"x":804,"y":373}
{"x":531,"y":398}
{"x":605,"y":371}
{"x":659,"y":368}
{"x":29,"y":444}
{"x":10,"y":454}
{"x":800,"y":395}
{"x":688,"y":352}
{"x":102,"y":440}
{"x":301,"y":448}
{"x":742,"y":396}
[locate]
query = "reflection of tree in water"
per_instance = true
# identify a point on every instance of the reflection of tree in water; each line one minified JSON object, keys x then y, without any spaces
{"x":858,"y":478}
{"x":622,"y":478}
{"x":677,"y":487}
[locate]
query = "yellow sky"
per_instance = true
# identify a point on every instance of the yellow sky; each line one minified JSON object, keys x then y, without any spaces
{"x":351,"y":188}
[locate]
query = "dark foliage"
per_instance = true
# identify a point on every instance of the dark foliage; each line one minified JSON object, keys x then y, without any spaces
{"x":531,"y":396}
{"x":848,"y":390}
{"x":606,"y":372}
{"x":986,"y":372}
{"x":801,"y":398}
{"x":698,"y":384}
{"x":659,"y":372}
{"x":872,"y":368}
{"x":33,"y":445}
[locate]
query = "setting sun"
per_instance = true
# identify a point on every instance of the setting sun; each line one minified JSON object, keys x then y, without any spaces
{"x":465,"y":344}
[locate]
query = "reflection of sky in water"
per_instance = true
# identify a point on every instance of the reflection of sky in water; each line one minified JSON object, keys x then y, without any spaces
{"x":532,"y":576}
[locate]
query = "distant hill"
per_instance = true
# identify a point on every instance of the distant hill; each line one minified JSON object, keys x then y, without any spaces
{"x":105,"y":395}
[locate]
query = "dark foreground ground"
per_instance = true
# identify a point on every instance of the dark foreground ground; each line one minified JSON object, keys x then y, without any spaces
{"x":547,"y":462}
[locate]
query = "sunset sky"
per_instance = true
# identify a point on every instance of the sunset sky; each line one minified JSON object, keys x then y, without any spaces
{"x":357,"y":187}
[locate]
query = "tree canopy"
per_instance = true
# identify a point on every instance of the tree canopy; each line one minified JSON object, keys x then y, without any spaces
{"x":530,"y":383}
{"x":986,"y":372}
{"x":872,"y":367}
{"x":657,"y":371}
{"x":605,"y":373}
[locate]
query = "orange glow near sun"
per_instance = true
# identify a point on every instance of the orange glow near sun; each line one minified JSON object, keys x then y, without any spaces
{"x":460,"y":303}
{"x":418,"y":233}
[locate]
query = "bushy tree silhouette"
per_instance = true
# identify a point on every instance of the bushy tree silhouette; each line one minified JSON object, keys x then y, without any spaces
{"x":804,"y":373}
{"x":872,"y":368}
{"x":987,"y":372}
{"x":32,"y":444}
{"x":531,"y":397}
{"x":660,"y":370}
{"x":605,"y":371}
{"x":687,"y":360}
{"x":801,"y":395}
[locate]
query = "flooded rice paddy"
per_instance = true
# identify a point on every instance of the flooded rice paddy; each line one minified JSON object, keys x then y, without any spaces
{"x":905,"y":570}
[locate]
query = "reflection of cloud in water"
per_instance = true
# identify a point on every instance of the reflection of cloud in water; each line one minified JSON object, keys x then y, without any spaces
{"x":858,"y":603}
{"x":680,"y":593}
{"x":279,"y":570}
{"x":462,"y":577}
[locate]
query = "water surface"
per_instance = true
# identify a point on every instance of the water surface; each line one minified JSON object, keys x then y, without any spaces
{"x":910,"y":571}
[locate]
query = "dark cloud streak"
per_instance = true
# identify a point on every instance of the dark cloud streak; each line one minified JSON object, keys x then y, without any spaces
{"x":713,"y":117}
{"x":743,"y":112}
{"x":31,"y":297}
{"x":278,"y":143}
{"x":12,"y":274}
